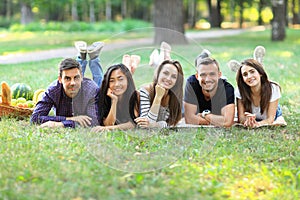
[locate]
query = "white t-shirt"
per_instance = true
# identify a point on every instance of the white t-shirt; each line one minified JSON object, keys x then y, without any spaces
{"x":256,"y":109}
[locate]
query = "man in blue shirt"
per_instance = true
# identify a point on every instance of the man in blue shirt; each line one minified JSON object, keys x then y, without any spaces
{"x":72,"y":97}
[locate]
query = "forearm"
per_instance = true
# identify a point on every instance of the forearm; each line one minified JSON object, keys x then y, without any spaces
{"x":124,"y":126}
{"x":267,"y":121}
{"x":111,"y":117}
{"x":155,"y":106}
{"x":241,"y":119}
{"x":196,"y":120}
{"x":219,"y":120}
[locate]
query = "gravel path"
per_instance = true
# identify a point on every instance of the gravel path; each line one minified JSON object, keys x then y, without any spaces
{"x":71,"y":51}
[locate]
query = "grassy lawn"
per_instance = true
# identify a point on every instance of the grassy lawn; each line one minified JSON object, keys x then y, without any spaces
{"x":202,"y":163}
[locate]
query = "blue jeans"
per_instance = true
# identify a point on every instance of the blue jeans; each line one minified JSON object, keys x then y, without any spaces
{"x":278,"y":112}
{"x":95,"y":68}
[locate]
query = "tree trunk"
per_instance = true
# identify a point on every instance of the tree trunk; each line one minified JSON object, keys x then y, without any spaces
{"x":295,"y":19}
{"x":74,"y":10}
{"x":260,"y":7}
{"x":278,"y":22}
{"x":241,"y":14}
{"x":26,"y":13}
{"x":108,"y":11}
{"x":169,"y":22}
{"x":192,"y":5}
{"x":8,"y":9}
{"x":124,"y":9}
{"x":232,"y":6}
{"x":286,"y":13}
{"x":92,"y":11}
{"x":215,"y":18}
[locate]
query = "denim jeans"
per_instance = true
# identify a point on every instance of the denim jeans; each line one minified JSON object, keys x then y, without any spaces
{"x":278,"y":112}
{"x":95,"y":68}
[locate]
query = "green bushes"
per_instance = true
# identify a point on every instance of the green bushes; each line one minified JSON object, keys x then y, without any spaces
{"x":107,"y":26}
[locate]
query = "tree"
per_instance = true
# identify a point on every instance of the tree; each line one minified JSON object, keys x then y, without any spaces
{"x":191,"y":12}
{"x":26,"y":13}
{"x":215,"y":17}
{"x":296,"y":16}
{"x":169,"y":21}
{"x":278,"y":22}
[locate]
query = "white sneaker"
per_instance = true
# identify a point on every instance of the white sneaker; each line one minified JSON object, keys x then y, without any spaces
{"x":134,"y":62}
{"x":165,"y":51}
{"x":204,"y":54}
{"x":234,"y":65}
{"x":81,"y":46}
{"x":259,"y":53}
{"x":94,"y":49}
{"x":154,"y":58}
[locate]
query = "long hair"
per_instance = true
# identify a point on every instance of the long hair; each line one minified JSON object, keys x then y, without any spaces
{"x":175,"y":93}
{"x":129,"y":99}
{"x":245,"y":90}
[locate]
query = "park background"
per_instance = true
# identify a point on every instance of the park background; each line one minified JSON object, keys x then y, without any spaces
{"x":198,"y":163}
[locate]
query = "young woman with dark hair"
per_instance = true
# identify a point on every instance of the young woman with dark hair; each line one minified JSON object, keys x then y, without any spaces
{"x":161,"y":101}
{"x":118,"y":100}
{"x":257,"y":96}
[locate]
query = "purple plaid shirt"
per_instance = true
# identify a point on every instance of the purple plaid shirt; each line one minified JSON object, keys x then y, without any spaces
{"x":54,"y":97}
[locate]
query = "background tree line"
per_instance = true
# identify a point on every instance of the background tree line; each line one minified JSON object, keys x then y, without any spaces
{"x":185,"y":13}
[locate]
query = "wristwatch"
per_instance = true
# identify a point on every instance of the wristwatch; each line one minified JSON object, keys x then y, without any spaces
{"x":205,"y":112}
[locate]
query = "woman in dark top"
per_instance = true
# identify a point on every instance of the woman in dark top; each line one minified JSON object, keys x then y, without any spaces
{"x":118,"y":100}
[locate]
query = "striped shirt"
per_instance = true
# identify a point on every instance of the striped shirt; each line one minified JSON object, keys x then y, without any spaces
{"x":162,"y":115}
{"x":55,"y":98}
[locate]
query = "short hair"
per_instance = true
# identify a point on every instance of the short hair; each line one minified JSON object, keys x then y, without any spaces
{"x":68,"y":63}
{"x":204,"y":59}
{"x":207,"y":61}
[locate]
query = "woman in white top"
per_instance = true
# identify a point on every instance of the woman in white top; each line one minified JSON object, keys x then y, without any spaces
{"x":257,"y":96}
{"x":160,"y":101}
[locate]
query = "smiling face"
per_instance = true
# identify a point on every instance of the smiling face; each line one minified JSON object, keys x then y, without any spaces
{"x":208,"y":76}
{"x":71,"y":80}
{"x":118,"y":82}
{"x":167,"y":76}
{"x":250,"y":76}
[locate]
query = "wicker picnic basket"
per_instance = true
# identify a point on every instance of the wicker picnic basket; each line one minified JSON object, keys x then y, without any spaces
{"x":6,"y":110}
{"x":13,"y":111}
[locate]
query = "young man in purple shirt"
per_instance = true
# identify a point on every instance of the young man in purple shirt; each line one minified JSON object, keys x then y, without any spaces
{"x":72,"y":97}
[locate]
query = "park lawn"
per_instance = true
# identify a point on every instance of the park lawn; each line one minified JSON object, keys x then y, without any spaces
{"x":204,"y":163}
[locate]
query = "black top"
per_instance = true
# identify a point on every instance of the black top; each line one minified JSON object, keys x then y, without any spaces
{"x":193,"y":94}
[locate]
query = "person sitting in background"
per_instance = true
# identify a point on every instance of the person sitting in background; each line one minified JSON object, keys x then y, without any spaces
{"x":208,"y":99}
{"x":72,"y":97}
{"x":257,"y":96}
{"x":160,"y":101}
{"x":118,"y":100}
{"x":94,"y":63}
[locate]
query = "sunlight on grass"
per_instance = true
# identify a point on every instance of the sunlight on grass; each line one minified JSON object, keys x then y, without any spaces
{"x":216,"y":163}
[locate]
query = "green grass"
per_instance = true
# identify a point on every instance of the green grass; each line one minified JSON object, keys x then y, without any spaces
{"x":186,"y":164}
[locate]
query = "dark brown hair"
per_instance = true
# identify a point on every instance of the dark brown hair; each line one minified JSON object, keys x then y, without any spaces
{"x":130,"y":98}
{"x":175,"y":93}
{"x":68,"y":63}
{"x":245,"y":90}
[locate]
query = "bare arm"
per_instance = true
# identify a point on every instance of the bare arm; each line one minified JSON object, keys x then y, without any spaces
{"x":241,"y":111}
{"x":270,"y":114}
{"x":191,"y":117}
{"x":160,"y":91}
{"x":225,"y":119}
{"x":242,"y":115}
{"x":111,"y":117}
{"x":124,"y":126}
